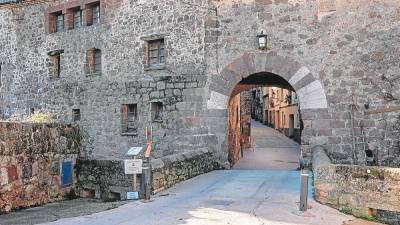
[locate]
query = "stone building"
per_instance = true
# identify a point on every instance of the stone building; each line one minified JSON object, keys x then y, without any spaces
{"x":277,"y":108}
{"x":117,"y":66}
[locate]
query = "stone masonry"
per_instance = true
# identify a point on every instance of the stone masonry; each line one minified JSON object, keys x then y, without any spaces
{"x":341,"y":58}
{"x":360,"y":190}
{"x":31,"y":164}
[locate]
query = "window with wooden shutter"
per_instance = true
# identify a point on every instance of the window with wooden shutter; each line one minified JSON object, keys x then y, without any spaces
{"x":92,"y":13}
{"x":156,"y":111}
{"x":129,"y":121}
{"x":55,"y":63}
{"x":156,"y":53}
{"x":93,"y":61}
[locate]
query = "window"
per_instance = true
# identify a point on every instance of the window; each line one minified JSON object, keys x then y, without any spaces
{"x":92,"y":14}
{"x":76,"y":115}
{"x":56,"y":62}
{"x":97,"y":61}
{"x":93,"y":64}
{"x":96,"y":14}
{"x":156,"y":52}
{"x":129,"y":118}
{"x":156,"y":111}
{"x":59,"y":22}
{"x":77,"y":18}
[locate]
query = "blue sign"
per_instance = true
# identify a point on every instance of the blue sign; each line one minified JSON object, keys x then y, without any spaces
{"x":66,"y":174}
{"x":134,"y":151}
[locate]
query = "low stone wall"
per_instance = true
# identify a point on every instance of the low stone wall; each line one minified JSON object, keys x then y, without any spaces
{"x":36,"y":163}
{"x":173,"y":169}
{"x":360,"y":190}
{"x":104,"y":179}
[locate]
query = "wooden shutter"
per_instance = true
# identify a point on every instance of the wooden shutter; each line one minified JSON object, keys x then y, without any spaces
{"x":90,"y":61}
{"x":124,"y":118}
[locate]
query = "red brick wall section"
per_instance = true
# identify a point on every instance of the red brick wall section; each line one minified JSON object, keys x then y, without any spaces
{"x":30,"y":159}
{"x":106,"y":9}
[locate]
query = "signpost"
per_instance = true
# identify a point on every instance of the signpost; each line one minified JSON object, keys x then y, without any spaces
{"x":133,"y":166}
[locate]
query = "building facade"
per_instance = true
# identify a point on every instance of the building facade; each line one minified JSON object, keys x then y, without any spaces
{"x":116,"y":67}
{"x":278,"y":108}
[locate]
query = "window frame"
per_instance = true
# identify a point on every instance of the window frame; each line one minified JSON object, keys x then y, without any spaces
{"x":74,"y":16}
{"x":57,"y":60}
{"x":76,"y":115}
{"x":160,"y":52}
{"x":98,"y":20}
{"x":157,"y":109}
{"x":97,"y":61}
{"x":129,"y":115}
{"x":58,"y":15}
{"x":93,"y":65}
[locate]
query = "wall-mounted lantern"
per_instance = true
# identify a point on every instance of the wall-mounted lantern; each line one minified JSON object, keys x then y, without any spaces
{"x":262,"y":40}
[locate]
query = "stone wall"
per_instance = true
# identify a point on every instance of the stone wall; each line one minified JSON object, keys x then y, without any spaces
{"x":104,"y":179}
{"x":360,"y":190}
{"x":335,"y":59}
{"x":173,"y":169}
{"x":31,"y":159}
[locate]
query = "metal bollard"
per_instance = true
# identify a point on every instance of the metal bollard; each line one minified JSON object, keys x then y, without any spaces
{"x":304,"y":191}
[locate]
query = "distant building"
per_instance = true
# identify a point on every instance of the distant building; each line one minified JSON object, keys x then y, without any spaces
{"x":277,"y":108}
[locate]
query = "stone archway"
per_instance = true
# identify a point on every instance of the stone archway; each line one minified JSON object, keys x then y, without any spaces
{"x":311,"y":94}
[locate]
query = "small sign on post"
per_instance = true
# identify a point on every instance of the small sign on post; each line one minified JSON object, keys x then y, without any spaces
{"x":133,"y":195}
{"x":133,"y":166}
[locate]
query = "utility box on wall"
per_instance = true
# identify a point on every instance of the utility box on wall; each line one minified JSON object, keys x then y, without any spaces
{"x":66,"y":174}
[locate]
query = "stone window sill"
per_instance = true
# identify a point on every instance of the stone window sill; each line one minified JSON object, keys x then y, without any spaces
{"x":93,"y":74}
{"x":157,"y":121}
{"x":129,"y":134}
{"x":155,"y":67}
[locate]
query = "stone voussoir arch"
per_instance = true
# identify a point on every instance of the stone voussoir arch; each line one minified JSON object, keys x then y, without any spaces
{"x":309,"y":89}
{"x":311,"y":94}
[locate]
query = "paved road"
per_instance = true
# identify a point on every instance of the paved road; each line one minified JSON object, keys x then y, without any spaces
{"x":242,"y":196}
{"x":271,"y":150}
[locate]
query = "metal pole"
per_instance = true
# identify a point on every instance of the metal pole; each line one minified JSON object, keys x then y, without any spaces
{"x":147,"y":179}
{"x":304,"y":191}
{"x":134,"y":179}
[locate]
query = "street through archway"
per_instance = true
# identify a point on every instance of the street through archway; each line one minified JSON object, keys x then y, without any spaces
{"x":271,"y":150}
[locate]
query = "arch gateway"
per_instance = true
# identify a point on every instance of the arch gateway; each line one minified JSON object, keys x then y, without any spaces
{"x":311,"y":94}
